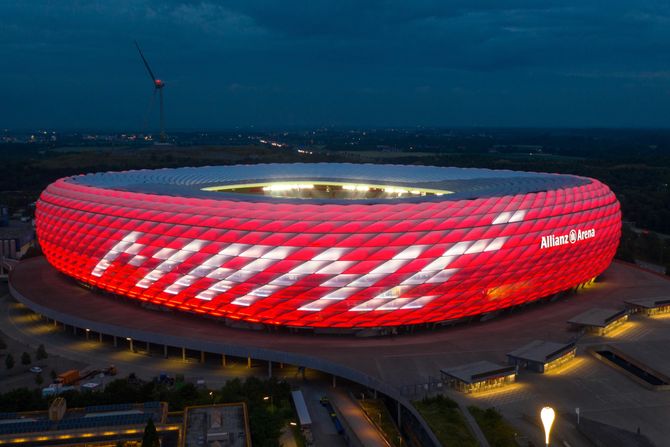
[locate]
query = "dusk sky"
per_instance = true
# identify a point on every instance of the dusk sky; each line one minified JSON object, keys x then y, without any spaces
{"x":73,"y":65}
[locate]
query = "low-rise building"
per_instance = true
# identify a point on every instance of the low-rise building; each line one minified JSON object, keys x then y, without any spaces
{"x":217,"y":426}
{"x":599,"y":321}
{"x":479,"y":376}
{"x":97,"y":425}
{"x":542,"y":356}
{"x":650,"y":306}
{"x":15,"y":239}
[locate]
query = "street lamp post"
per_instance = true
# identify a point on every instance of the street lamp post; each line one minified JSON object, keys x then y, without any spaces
{"x":547,"y":414}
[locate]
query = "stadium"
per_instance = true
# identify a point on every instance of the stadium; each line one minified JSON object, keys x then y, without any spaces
{"x":329,"y":245}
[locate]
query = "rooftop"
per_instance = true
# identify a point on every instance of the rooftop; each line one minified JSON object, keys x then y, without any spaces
{"x":214,"y":425}
{"x":650,"y":303}
{"x":540,"y":351}
{"x":599,"y":317}
{"x":92,"y":417}
{"x":477,"y":371}
{"x":301,"y":407}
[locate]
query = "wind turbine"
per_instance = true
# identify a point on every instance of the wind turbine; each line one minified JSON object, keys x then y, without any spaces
{"x":158,"y":86}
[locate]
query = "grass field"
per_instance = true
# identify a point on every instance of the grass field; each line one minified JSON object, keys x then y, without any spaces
{"x":380,"y":416}
{"x":447,"y":422}
{"x":496,"y":429}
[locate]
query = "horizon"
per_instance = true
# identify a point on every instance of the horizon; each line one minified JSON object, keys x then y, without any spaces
{"x":357,"y":128}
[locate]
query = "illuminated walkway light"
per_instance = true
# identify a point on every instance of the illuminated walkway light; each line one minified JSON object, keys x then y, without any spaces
{"x":547,"y":414}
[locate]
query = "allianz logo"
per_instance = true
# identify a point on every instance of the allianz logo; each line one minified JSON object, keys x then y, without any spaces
{"x":573,"y":236}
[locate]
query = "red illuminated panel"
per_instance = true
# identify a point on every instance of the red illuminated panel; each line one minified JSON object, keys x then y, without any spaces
{"x":342,"y":265}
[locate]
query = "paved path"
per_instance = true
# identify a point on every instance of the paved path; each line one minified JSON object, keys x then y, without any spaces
{"x":472,"y":424}
{"x":362,"y":427}
{"x":323,"y":428}
{"x":286,"y":439}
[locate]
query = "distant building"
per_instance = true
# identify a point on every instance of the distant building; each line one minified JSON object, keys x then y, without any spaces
{"x":93,"y":425}
{"x":4,"y":216}
{"x":111,"y":425}
{"x":217,"y":425}
{"x":16,"y":237}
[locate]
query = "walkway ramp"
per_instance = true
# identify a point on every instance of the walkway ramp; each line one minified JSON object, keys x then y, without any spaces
{"x":365,"y":432}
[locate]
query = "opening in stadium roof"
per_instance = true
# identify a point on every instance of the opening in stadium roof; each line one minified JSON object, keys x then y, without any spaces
{"x":319,"y":189}
{"x":330,"y":182}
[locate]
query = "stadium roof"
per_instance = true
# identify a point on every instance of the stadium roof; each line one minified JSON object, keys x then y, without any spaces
{"x":462,"y":183}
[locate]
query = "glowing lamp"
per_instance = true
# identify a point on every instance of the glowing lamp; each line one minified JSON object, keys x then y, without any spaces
{"x":547,"y":414}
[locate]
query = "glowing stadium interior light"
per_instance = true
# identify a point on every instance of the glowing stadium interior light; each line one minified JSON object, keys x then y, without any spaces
{"x":327,"y":189}
{"x":287,"y":187}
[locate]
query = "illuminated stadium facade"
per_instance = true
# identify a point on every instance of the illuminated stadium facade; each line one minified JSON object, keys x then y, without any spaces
{"x":330,"y":245}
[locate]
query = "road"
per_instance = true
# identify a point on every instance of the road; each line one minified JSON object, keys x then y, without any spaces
{"x":363,"y":428}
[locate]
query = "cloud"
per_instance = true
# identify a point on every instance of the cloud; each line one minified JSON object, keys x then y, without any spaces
{"x":322,"y":56}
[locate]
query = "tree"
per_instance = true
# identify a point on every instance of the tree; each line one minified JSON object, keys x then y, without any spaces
{"x":39,"y":380}
{"x":25,"y":359}
{"x":41,"y":353}
{"x":150,"y":438}
{"x":9,"y":361}
{"x":53,"y":374}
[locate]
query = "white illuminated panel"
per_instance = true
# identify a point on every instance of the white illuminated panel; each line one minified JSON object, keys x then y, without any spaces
{"x":256,"y":251}
{"x":433,"y":273}
{"x":412,"y":252}
{"x":510,"y":216}
{"x":120,"y":247}
{"x":234,"y":249}
{"x":503,"y":217}
{"x":279,"y":253}
{"x":168,"y":265}
{"x":518,"y":216}
{"x":336,"y":267}
{"x":332,"y":254}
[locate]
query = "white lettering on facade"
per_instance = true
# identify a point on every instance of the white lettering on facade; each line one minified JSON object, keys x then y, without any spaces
{"x":571,"y":237}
